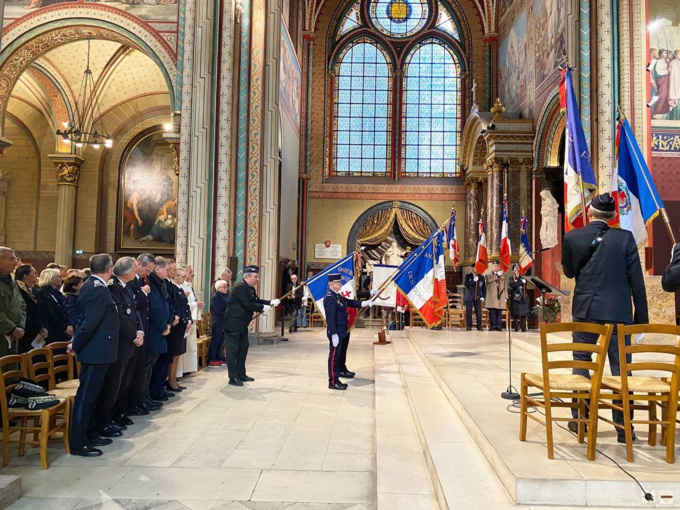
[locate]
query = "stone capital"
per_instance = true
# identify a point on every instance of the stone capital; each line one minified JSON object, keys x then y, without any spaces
{"x":472,"y":183}
{"x":4,"y":144}
{"x":68,"y":168}
{"x":173,"y":140}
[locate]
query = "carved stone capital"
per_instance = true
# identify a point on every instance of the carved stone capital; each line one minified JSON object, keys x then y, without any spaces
{"x":4,"y":144}
{"x":68,"y":168}
{"x":471,"y":183}
{"x":173,"y":140}
{"x":493,"y":166}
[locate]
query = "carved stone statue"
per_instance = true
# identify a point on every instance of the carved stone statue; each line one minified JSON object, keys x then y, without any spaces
{"x":549,"y":209}
{"x":394,"y":255}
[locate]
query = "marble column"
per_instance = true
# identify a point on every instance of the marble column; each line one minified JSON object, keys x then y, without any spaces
{"x":5,"y":178}
{"x":68,"y":175}
{"x":270,"y":177}
{"x":471,"y":217}
{"x":493,"y":206}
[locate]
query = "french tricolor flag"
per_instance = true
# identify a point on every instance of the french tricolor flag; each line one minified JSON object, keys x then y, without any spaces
{"x":482,"y":260}
{"x":440,"y":298}
{"x":632,"y":186}
{"x":505,"y":240}
{"x":454,"y":250}
{"x":416,"y":281}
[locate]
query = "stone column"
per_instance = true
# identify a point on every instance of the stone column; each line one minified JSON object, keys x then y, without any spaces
{"x":270,"y":177}
{"x":602,"y":151}
{"x":68,"y":175}
{"x":493,"y":206}
{"x":471,"y":217}
{"x":5,"y":177}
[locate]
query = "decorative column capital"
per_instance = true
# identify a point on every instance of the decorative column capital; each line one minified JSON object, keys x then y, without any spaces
{"x":68,"y":168}
{"x":173,"y":140}
{"x":4,"y":144}
{"x":472,"y":183}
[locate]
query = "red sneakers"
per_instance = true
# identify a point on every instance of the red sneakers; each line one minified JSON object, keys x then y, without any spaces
{"x":215,"y":364}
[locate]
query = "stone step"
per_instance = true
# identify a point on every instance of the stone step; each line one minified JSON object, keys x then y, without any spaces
{"x":10,"y":490}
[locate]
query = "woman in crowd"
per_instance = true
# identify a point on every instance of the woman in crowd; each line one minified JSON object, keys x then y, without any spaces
{"x":27,"y":277}
{"x":52,"y":306}
{"x":519,"y":301}
{"x":218,"y":305}
{"x":71,"y":288}
{"x":177,"y":339}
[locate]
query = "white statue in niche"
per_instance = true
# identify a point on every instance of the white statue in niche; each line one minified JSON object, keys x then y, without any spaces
{"x":394,"y":255}
{"x":549,"y":209}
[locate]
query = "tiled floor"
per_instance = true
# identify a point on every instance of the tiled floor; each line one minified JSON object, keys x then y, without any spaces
{"x":284,"y":441}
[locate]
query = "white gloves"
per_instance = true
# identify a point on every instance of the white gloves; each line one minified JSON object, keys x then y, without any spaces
{"x":336,"y":340}
{"x":374,"y":292}
{"x":500,"y":273}
{"x":367,"y":303}
{"x":481,"y":299}
{"x":475,"y":278}
{"x":275,"y":302}
{"x":523,"y":280}
{"x":266,"y":308}
{"x":400,"y":309}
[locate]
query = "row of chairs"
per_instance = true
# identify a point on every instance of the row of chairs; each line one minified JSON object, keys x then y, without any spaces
{"x":203,"y":336}
{"x":648,"y":383}
{"x":54,"y":369}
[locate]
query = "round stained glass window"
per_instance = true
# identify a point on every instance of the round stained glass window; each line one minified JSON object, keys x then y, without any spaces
{"x":399,"y":18}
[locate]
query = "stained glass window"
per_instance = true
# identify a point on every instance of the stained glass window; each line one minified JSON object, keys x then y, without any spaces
{"x":431,"y":111}
{"x":362,"y":111}
{"x":399,"y":18}
{"x":446,"y":23}
{"x":351,"y":20}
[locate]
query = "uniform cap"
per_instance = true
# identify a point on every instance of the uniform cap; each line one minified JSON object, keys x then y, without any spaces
{"x":335,"y":277}
{"x":603,"y":202}
{"x":251,"y":269}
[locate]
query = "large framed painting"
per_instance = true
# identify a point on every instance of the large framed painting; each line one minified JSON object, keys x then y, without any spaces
{"x":512,"y":66}
{"x":147,"y":198}
{"x":551,"y":38}
{"x":664,"y":63}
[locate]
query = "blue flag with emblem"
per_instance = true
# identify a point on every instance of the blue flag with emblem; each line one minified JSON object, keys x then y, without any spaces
{"x":318,"y":284}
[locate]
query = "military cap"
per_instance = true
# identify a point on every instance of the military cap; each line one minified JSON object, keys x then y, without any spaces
{"x":603,"y":203}
{"x":251,"y":269}
{"x":496,"y":262}
{"x":335,"y":277}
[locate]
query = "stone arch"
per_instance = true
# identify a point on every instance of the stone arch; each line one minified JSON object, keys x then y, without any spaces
{"x":26,"y":46}
{"x":354,"y":231}
{"x":551,"y":127}
{"x":474,"y":146}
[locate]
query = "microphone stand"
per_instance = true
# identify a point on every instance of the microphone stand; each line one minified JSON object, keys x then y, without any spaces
{"x":511,"y":392}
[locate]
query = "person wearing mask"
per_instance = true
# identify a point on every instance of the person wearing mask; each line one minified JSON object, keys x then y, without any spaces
{"x":519,"y":299}
{"x":475,"y":294}
{"x":53,"y":306}
{"x":35,"y":332}
{"x":95,"y":345}
{"x":218,"y":305}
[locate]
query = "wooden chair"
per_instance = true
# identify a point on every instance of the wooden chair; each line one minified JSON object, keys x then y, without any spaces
{"x":557,"y":382}
{"x":62,"y":363}
{"x":40,"y":369}
{"x":41,"y":424}
{"x":314,"y":317}
{"x":456,"y":312}
{"x":645,"y":391}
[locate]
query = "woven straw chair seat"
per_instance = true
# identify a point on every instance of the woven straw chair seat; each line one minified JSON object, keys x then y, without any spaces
{"x":561,"y":382}
{"x":70,"y":384}
{"x":637,"y":384}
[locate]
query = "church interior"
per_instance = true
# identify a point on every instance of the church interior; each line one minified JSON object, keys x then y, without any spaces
{"x":287,"y":134}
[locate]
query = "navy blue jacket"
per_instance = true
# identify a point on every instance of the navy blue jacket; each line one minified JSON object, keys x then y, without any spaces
{"x":470,"y":293}
{"x":335,"y":305}
{"x":129,"y":321}
{"x":243,"y":304}
{"x":96,"y":339}
{"x":160,"y":317}
{"x":218,"y":305}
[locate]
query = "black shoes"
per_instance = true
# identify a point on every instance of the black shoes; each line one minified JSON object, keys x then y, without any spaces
{"x":468,"y":329}
{"x":573,"y":426}
{"x":110,"y":431}
{"x":100,"y":441}
{"x":245,"y":378}
{"x":159,"y":398}
{"x":346,"y":374}
{"x":235,"y":382}
{"x":123,"y":421}
{"x":337,"y":386}
{"x":621,"y":438}
{"x":86,"y":451}
{"x":168,"y":394}
{"x":138,"y":411}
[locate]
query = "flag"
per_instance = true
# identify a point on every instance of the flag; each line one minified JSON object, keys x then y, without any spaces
{"x":632,"y":186}
{"x":482,"y":260}
{"x":505,"y":240}
{"x":318,"y":285}
{"x":416,"y":281}
{"x":454,"y":250}
{"x":576,"y":161}
{"x":525,"y":259}
{"x":440,"y":298}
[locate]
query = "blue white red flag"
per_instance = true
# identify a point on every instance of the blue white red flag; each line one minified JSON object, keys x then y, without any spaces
{"x":525,"y":259}
{"x":454,"y":249}
{"x":577,"y":160}
{"x":416,"y":281}
{"x":505,"y":250}
{"x":482,"y":259}
{"x":440,"y":297}
{"x":632,"y":186}
{"x":318,"y":284}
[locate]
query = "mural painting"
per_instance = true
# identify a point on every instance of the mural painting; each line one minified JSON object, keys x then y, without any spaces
{"x":289,"y":89}
{"x":550,"y":41}
{"x":512,"y":66}
{"x":664,"y":62}
{"x":147,"y":202}
{"x":505,"y":6}
{"x":158,"y":10}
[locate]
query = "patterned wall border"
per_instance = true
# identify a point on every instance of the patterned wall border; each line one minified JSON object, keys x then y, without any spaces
{"x":458,"y":196}
{"x":57,"y":100}
{"x":584,"y":56}
{"x":134,"y":29}
{"x":181,"y":19}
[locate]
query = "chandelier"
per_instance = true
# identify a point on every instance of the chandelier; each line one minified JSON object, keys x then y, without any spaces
{"x":86,"y":126}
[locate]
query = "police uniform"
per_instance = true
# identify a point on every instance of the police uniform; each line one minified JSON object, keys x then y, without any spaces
{"x":95,"y":343}
{"x":475,"y":292}
{"x":607,"y":269}
{"x":335,"y":307}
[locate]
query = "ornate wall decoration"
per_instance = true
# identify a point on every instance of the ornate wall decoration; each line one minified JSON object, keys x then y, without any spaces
{"x":57,"y":100}
{"x":666,"y":144}
{"x":68,"y":173}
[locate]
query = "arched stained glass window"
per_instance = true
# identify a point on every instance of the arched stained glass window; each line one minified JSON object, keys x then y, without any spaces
{"x":399,"y":18}
{"x":351,"y":20}
{"x":431,"y":118}
{"x":446,"y":23}
{"x":362,"y":112}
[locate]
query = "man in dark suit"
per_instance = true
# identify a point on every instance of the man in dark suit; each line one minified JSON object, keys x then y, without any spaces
{"x":607,"y":269}
{"x":130,"y":336}
{"x":243,"y":303}
{"x":335,"y":307}
{"x":475,"y":293}
{"x":670,"y":281}
{"x":95,"y":345}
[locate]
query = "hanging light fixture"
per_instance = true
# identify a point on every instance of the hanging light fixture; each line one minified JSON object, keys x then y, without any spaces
{"x":86,"y":128}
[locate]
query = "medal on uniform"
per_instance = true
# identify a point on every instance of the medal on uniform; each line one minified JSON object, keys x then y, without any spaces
{"x":127,"y":311}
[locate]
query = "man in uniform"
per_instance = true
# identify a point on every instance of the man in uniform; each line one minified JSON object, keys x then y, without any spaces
{"x":475,"y":293}
{"x":243,"y":303}
{"x":335,"y":305}
{"x":607,"y":269}
{"x":496,"y":296}
{"x":95,"y":344}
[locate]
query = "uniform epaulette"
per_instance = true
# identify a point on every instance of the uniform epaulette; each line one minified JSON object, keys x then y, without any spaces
{"x":97,"y":283}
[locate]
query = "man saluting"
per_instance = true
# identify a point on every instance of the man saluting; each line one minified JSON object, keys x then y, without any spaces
{"x":335,"y":305}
